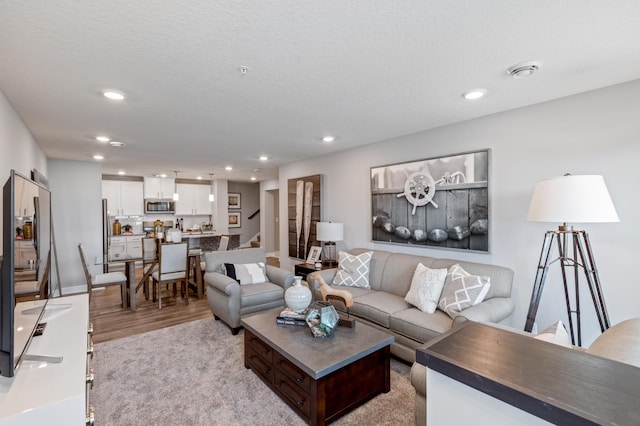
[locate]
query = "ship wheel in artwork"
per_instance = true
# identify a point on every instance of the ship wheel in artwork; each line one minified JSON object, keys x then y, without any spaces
{"x":419,"y":189}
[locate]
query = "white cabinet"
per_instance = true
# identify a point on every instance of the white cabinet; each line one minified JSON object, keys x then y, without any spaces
{"x":158,"y":187}
{"x":24,"y":198}
{"x":47,"y":393}
{"x":24,"y":254}
{"x":123,"y":197}
{"x":194,"y":199}
{"x":130,"y":245}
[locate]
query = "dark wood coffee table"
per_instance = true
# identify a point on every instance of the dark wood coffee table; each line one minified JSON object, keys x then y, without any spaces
{"x":322,"y":379}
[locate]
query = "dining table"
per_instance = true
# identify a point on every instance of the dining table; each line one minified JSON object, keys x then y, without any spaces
{"x":130,"y":272}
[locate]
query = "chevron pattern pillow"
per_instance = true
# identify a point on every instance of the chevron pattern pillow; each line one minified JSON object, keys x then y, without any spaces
{"x":462,"y":290}
{"x":353,"y":271}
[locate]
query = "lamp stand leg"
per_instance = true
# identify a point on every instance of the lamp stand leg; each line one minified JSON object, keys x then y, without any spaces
{"x":582,"y":258}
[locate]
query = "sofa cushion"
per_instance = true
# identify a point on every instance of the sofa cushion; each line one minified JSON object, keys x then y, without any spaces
{"x":376,"y":265}
{"x":426,"y":287}
{"x":398,"y":272}
{"x":377,"y":306}
{"x":353,"y":271}
{"x":419,"y":326}
{"x":246,"y":273}
{"x":260,"y":294}
{"x":462,"y":290}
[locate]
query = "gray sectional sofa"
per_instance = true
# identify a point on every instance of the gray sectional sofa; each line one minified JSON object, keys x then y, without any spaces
{"x":384,"y":307}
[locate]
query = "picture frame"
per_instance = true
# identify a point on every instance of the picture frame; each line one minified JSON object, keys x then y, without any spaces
{"x":439,"y":202}
{"x":234,"y":200}
{"x":234,"y":220}
{"x":314,"y":254}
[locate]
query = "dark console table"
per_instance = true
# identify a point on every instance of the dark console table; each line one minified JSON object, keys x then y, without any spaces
{"x":558,"y":384}
{"x":304,"y":269}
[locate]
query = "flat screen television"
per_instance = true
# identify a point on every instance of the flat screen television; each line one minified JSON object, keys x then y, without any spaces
{"x":26,"y":217}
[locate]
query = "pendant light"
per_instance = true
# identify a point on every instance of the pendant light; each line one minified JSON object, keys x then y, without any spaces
{"x":211,"y":196}
{"x":176,"y":196}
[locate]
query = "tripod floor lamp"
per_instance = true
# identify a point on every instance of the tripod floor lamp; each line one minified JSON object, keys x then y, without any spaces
{"x":570,"y":199}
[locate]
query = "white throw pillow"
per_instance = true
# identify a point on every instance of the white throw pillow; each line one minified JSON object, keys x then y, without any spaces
{"x":462,"y":290}
{"x":426,"y":287}
{"x":556,"y":333}
{"x":353,"y":271}
{"x":246,"y":273}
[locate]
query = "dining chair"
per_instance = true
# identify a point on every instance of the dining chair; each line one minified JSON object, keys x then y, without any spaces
{"x":149,"y":263}
{"x":172,"y":268}
{"x":224,"y":243}
{"x":103,"y":280}
{"x":37,"y":288}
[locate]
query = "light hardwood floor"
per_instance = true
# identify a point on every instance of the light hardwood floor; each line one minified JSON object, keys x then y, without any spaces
{"x":111,"y":321}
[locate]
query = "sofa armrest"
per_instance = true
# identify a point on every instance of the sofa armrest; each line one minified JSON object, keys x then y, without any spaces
{"x":279,"y":276}
{"x":222,"y":283}
{"x":491,"y":310}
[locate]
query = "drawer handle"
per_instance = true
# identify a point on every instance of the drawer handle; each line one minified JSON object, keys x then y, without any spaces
{"x":90,"y":350}
{"x":265,"y":372}
{"x":301,"y":402}
{"x":90,"y":378}
{"x":90,"y":329}
{"x":300,"y":379}
{"x":266,"y":352}
{"x":90,"y":418}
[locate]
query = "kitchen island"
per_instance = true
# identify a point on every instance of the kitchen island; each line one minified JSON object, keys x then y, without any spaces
{"x":210,"y":240}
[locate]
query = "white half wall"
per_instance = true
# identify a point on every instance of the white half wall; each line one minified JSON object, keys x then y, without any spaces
{"x":596,"y":132}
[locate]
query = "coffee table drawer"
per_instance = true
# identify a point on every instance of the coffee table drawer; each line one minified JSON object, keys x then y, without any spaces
{"x":290,"y":392}
{"x":293,"y":373}
{"x":260,"y":348}
{"x":259,"y":365}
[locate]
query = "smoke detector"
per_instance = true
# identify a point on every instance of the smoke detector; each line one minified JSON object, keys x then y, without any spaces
{"x":523,"y":69}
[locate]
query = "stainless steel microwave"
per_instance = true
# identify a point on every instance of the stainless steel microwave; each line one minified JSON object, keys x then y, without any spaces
{"x":153,"y":206}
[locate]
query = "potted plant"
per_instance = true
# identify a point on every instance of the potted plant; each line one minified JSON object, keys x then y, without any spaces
{"x":127,"y":229}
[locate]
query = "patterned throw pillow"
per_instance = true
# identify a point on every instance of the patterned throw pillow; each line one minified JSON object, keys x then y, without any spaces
{"x":462,"y":290}
{"x":353,"y":271}
{"x":426,"y":287}
{"x":246,"y":273}
{"x":555,"y":333}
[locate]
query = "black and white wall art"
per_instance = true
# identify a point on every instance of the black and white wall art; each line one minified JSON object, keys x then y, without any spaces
{"x":440,"y":202}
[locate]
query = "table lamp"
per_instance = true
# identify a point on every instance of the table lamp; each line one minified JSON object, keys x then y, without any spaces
{"x":328,"y":233}
{"x":564,"y":200}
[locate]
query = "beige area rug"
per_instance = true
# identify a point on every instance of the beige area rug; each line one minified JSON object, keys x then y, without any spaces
{"x":194,"y":374}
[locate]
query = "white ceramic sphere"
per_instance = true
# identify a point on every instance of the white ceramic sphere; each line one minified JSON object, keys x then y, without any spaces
{"x":297,"y":297}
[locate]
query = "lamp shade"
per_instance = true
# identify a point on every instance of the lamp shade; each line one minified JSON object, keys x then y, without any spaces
{"x":572,"y":199}
{"x":329,"y":231}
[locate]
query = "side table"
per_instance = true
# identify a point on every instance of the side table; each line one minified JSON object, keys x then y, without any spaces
{"x":304,"y":269}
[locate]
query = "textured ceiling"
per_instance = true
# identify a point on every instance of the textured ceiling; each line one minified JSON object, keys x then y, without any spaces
{"x":364,"y":71}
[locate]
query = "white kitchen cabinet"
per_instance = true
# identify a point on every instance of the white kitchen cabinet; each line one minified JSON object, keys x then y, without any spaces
{"x":24,"y":198}
{"x":125,"y":244}
{"x":158,"y":187}
{"x":24,"y":254}
{"x":49,"y":393}
{"x":123,"y":197}
{"x":194,"y":199}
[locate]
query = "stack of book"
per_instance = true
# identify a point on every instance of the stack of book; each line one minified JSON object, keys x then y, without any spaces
{"x":289,"y":317}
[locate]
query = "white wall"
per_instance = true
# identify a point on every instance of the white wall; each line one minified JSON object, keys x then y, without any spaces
{"x":19,"y":150}
{"x":592,"y":133}
{"x":76,"y":202}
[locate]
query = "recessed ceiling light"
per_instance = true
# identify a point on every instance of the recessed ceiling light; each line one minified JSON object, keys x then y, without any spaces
{"x":113,"y":95}
{"x":253,"y":178}
{"x":474,"y":94}
{"x":199,"y":177}
{"x":328,"y":139}
{"x":263,"y":158}
{"x":163,"y":175}
{"x":98,"y":157}
{"x":122,"y":172}
{"x":228,"y":168}
{"x":117,"y":144}
{"x":103,"y":138}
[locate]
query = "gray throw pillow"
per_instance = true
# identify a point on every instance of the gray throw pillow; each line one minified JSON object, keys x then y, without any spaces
{"x":353,"y":271}
{"x":462,"y":290}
